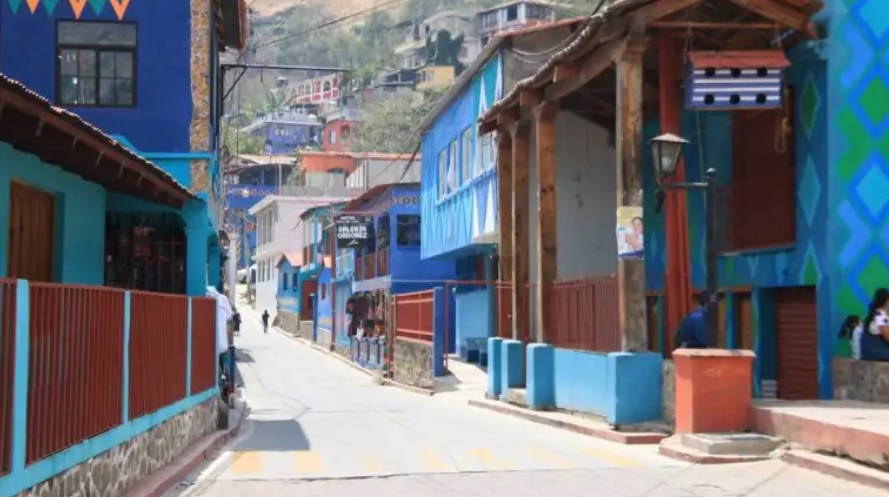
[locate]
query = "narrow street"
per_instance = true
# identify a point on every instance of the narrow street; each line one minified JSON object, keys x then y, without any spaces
{"x":318,"y":427}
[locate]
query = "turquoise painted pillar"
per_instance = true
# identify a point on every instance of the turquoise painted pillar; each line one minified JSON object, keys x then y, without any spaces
{"x":196,"y":264}
{"x":299,"y":295}
{"x":4,"y":216}
{"x":492,"y":296}
{"x":214,"y":265}
{"x":541,"y":383}
{"x":512,"y":370}
{"x":731,"y":328}
{"x":495,"y":367}
{"x":20,"y":377}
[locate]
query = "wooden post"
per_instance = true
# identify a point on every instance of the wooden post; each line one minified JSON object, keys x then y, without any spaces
{"x":504,"y":247}
{"x":678,"y":279}
{"x":521,"y":248}
{"x":547,"y":244}
{"x":631,"y":271}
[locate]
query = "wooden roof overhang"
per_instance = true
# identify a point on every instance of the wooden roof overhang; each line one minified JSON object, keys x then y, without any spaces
{"x":582,"y":77}
{"x":232,"y":23}
{"x":31,"y":124}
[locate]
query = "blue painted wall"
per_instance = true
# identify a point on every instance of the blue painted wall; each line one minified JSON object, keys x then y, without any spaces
{"x":294,"y":136}
{"x":324,"y":307}
{"x":288,"y":293}
{"x":160,"y":121}
{"x":406,"y":262}
{"x":471,"y":315}
{"x":452,"y":221}
{"x":80,"y":225}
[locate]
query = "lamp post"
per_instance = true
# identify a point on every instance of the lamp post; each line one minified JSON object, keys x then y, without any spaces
{"x":666,"y":151}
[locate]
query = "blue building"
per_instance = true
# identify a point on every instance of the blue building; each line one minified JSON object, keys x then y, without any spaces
{"x":143,"y":72}
{"x":459,"y":177}
{"x":286,"y":130}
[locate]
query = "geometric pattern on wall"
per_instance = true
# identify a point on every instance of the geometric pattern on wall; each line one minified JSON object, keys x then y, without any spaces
{"x":119,"y":7}
{"x":449,"y":225}
{"x":859,"y":246}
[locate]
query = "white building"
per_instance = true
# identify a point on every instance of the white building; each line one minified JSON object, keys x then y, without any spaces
{"x":382,"y":169}
{"x":278,"y":230}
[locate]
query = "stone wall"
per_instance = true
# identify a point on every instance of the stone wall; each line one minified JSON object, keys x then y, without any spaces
{"x":413,"y":363}
{"x":865,"y":381}
{"x":201,"y":38}
{"x":112,"y":473}
{"x":290,"y":322}
{"x":325,"y":338}
{"x":669,"y":393}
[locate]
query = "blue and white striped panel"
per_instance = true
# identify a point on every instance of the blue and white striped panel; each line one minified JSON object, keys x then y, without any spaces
{"x":721,"y":89}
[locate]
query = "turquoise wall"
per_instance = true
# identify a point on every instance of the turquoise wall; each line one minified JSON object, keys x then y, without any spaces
{"x":80,"y":216}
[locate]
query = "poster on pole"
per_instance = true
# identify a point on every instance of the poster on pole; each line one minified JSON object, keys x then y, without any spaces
{"x":630,"y":232}
{"x":355,"y":232}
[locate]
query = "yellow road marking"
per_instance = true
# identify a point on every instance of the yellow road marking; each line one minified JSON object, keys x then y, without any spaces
{"x":488,"y":458}
{"x":370,"y":462}
{"x":308,"y":462}
{"x":248,"y":462}
{"x":611,"y":457}
{"x":432,"y":462}
{"x":551,"y":459}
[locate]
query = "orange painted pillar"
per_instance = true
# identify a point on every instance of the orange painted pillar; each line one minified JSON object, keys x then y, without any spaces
{"x":713,"y":390}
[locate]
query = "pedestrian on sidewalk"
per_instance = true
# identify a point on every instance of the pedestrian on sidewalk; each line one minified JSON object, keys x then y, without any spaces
{"x":236,"y":322}
{"x":692,"y":332}
{"x":265,"y":321}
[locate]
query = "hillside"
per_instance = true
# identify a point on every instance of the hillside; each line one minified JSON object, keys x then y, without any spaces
{"x":265,"y":8}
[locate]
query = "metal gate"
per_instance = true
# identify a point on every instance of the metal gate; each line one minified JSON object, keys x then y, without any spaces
{"x":796,"y":327}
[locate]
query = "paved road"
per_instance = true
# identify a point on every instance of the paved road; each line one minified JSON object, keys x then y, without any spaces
{"x":318,"y":427}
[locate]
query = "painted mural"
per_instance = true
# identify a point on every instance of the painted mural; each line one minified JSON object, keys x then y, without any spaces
{"x":77,"y":6}
{"x":452,"y":221}
{"x":859,"y":153}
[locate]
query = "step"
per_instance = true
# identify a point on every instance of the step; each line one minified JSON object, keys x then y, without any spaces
{"x":673,"y":448}
{"x":731,"y":444}
{"x":836,"y":467}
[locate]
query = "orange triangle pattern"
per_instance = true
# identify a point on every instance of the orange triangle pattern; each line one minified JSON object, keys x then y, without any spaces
{"x":32,"y":4}
{"x":78,"y":6}
{"x":120,"y":7}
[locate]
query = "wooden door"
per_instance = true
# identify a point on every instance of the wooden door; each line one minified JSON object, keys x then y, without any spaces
{"x":31,"y":233}
{"x":744,"y":316}
{"x":796,"y":320}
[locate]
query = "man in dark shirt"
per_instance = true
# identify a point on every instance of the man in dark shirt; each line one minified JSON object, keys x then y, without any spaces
{"x":692,"y":332}
{"x":265,"y":321}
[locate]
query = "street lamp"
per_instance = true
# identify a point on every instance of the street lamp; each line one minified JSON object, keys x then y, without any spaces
{"x":666,"y":152}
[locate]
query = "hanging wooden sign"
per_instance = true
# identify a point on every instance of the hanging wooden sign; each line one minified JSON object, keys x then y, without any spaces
{"x":735,"y":80}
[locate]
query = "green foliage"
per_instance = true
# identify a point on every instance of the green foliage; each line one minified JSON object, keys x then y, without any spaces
{"x":391,"y":125}
{"x":241,"y":143}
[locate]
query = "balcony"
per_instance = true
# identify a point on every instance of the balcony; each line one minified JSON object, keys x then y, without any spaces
{"x":372,"y":265}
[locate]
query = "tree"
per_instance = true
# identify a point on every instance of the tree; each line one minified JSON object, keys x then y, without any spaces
{"x":445,"y":50}
{"x":241,"y":143}
{"x":391,"y":126}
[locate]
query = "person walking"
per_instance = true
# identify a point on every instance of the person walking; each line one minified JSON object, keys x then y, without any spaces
{"x":692,"y":332}
{"x":236,"y":322}
{"x":265,"y":321}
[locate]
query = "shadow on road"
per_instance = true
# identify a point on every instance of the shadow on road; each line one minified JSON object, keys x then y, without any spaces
{"x":284,"y":435}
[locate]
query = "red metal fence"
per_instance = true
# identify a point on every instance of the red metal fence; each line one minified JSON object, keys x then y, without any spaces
{"x":7,"y":370}
{"x":412,"y":319}
{"x":203,"y":344}
{"x":158,"y":347}
{"x":584,"y":314}
{"x":76,"y":365}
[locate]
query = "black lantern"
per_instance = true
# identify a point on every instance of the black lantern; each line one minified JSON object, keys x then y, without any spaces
{"x":666,"y":150}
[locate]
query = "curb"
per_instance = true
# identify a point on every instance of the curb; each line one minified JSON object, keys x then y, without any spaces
{"x":167,"y":477}
{"x":386,"y":381}
{"x":625,"y":438}
{"x":838,"y":468}
{"x":701,"y":458}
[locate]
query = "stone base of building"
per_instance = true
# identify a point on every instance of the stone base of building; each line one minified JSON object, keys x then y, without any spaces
{"x":413,"y":363}
{"x":866,"y":381}
{"x":290,"y":322}
{"x":112,"y":473}
{"x":669,"y":394}
{"x":325,"y":339}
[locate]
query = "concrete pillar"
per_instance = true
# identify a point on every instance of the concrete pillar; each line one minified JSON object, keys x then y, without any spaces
{"x":512,"y":367}
{"x":214,"y":265}
{"x":197,"y":241}
{"x":541,"y":391}
{"x":495,"y":365}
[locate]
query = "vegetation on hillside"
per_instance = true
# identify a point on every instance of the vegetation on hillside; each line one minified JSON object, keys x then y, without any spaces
{"x":391,"y":125}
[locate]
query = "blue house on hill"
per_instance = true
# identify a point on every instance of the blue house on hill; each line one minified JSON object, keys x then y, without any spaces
{"x":147,"y":74}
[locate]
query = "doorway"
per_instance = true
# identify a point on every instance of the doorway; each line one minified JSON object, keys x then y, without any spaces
{"x":32,"y":219}
{"x":796,"y":327}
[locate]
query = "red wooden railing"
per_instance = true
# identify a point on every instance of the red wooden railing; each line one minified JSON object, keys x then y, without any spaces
{"x":7,"y":370}
{"x":203,"y":344}
{"x":76,"y":365}
{"x":372,"y":265}
{"x":585,"y":314}
{"x":158,"y":347}
{"x":414,"y":315}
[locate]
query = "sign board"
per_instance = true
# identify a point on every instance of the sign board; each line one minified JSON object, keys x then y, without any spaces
{"x":355,"y":232}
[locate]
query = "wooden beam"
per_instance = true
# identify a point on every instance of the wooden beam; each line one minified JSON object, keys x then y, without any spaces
{"x":631,"y":271}
{"x":598,"y":61}
{"x":714,"y":25}
{"x":547,"y":236}
{"x":504,"y":209}
{"x":565,"y":71}
{"x":660,"y":9}
{"x":486,"y":127}
{"x":779,"y":13}
{"x":521,"y":248}
{"x":529,"y":98}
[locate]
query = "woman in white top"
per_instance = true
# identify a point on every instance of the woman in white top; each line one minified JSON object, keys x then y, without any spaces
{"x":875,"y":339}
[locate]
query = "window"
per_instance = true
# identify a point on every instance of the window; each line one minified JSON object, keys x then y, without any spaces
{"x":442,"y":171}
{"x":487,"y":156}
{"x":408,"y":231}
{"x":453,"y":172}
{"x":323,"y":292}
{"x":512,"y":13}
{"x":333,"y":136}
{"x":467,"y":155}
{"x":283,"y":283}
{"x":293,"y":280}
{"x":96,"y":64}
